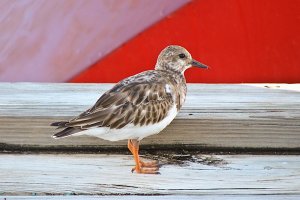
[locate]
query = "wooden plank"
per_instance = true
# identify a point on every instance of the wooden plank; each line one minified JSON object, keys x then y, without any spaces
{"x":214,"y":115}
{"x":164,"y":197}
{"x":91,"y":174}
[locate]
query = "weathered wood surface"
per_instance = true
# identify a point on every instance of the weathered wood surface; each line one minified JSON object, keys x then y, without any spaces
{"x":90,"y":174}
{"x":164,"y":197}
{"x":214,"y":115}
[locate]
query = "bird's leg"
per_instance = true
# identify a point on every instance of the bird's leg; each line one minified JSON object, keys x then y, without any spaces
{"x":140,"y":166}
{"x":142,"y":163}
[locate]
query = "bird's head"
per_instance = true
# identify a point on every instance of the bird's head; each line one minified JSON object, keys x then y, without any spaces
{"x":176,"y":58}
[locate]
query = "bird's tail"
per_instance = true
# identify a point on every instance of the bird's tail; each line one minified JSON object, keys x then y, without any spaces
{"x":66,"y":132}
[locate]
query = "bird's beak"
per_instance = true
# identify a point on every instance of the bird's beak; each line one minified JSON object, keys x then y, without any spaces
{"x":198,"y":64}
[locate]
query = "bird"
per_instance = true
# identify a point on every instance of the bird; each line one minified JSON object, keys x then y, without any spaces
{"x":138,"y":106}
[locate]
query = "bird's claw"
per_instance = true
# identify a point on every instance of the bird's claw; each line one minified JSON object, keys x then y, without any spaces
{"x":153,"y":163}
{"x":151,"y":167}
{"x":153,"y":170}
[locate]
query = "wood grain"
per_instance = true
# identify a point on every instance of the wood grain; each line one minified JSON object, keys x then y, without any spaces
{"x":91,"y":174}
{"x":214,"y":115}
{"x":156,"y":197}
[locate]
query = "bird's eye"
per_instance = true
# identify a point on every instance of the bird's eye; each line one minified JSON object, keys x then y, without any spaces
{"x":182,"y":55}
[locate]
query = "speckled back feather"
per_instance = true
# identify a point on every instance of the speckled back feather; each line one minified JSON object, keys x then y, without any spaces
{"x":142,"y":99}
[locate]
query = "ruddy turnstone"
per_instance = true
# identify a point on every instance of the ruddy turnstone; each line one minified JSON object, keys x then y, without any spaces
{"x":138,"y":106}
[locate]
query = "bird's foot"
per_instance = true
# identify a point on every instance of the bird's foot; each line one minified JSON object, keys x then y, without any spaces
{"x":145,"y":170}
{"x":151,"y":164}
{"x":150,"y":167}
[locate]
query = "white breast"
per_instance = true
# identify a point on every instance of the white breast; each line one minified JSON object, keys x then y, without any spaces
{"x":130,"y":131}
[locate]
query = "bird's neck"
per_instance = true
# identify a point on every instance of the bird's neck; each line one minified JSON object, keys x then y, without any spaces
{"x":177,"y":75}
{"x":170,"y":69}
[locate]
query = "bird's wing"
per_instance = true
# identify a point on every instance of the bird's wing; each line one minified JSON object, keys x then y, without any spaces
{"x":136,"y":100}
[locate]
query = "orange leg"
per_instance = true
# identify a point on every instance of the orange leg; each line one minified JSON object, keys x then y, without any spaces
{"x":140,"y":166}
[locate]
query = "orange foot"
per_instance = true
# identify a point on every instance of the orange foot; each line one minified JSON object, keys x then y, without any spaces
{"x":141,"y":167}
{"x":150,"y":167}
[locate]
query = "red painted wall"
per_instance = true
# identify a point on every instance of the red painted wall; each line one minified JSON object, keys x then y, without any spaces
{"x":241,"y":40}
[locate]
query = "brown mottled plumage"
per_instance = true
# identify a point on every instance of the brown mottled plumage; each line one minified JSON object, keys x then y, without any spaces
{"x":135,"y":100}
{"x":138,"y":106}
